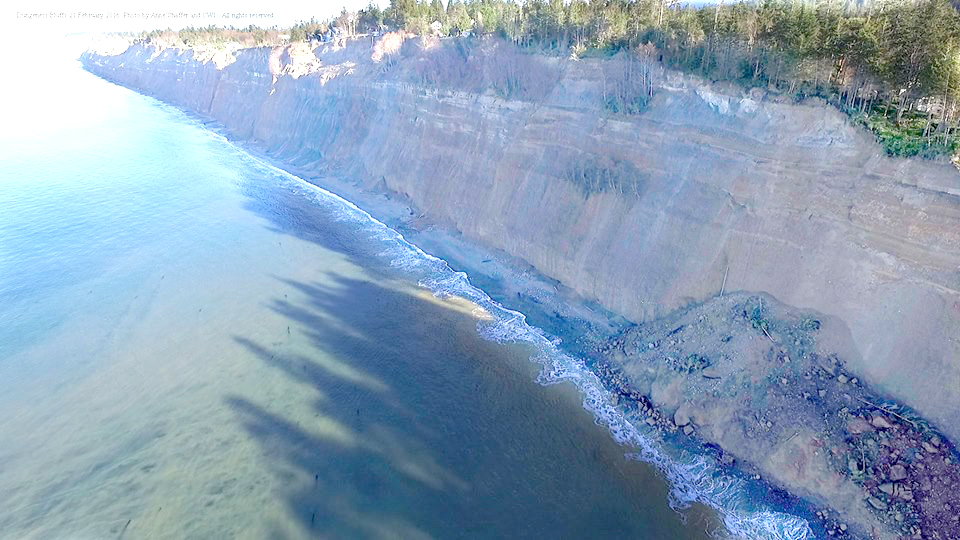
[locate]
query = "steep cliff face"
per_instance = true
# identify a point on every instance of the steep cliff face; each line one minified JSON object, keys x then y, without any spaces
{"x":725,"y":190}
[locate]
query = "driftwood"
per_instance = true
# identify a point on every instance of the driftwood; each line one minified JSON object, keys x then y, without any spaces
{"x":886,"y":410}
{"x":724,"y":284}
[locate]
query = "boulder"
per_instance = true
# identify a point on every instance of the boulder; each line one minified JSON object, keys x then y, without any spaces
{"x":897,"y":472}
{"x":682,"y":416}
{"x":881,"y":422}
{"x":858,"y":425}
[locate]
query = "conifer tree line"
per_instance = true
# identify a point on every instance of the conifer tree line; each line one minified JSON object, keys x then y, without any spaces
{"x":893,"y":65}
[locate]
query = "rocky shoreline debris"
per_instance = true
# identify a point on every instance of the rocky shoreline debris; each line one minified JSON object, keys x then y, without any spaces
{"x":754,"y":379}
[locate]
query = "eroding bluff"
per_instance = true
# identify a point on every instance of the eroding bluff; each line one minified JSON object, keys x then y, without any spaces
{"x":706,"y":188}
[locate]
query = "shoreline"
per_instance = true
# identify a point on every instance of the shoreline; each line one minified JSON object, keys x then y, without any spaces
{"x":508,"y":279}
{"x":580,"y":327}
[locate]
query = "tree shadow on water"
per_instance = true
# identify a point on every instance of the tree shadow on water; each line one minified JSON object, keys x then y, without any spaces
{"x":420,"y":428}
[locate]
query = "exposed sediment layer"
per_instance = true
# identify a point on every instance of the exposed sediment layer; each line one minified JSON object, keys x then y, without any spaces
{"x":726,"y":189}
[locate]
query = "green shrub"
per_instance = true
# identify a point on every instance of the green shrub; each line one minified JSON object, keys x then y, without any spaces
{"x":906,"y":138}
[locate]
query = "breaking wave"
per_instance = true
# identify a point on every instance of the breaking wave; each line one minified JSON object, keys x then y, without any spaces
{"x":693,"y":478}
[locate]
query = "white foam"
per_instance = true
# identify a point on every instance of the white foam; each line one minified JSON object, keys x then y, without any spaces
{"x":692,"y":477}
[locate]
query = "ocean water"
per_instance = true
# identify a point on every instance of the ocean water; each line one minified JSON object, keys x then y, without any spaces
{"x":195,"y":344}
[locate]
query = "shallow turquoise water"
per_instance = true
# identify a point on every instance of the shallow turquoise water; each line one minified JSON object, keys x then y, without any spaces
{"x":194,"y":345}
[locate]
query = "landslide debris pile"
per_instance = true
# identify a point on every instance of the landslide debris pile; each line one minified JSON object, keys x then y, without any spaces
{"x":757,"y":379}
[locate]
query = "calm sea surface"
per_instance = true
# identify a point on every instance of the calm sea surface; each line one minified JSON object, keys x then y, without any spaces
{"x":194,"y":345}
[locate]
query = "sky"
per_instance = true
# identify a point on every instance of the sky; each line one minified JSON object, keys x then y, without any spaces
{"x":35,"y":17}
